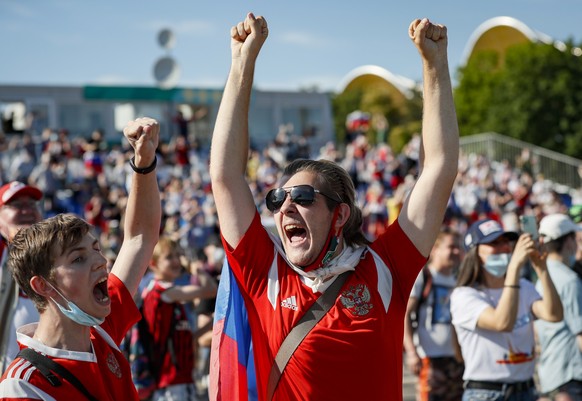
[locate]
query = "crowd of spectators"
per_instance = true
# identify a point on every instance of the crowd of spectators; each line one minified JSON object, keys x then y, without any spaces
{"x":89,"y":177}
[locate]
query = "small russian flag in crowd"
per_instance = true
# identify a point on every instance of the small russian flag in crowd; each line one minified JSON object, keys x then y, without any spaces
{"x":232,"y":369}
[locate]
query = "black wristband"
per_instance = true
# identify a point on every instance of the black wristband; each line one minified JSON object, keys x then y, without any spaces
{"x":512,"y":286}
{"x":145,"y":170}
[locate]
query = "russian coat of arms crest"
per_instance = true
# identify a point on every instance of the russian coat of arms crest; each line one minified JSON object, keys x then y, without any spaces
{"x":356,"y":299}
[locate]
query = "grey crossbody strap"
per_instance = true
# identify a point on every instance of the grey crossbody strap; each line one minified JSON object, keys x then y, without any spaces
{"x":313,"y":315}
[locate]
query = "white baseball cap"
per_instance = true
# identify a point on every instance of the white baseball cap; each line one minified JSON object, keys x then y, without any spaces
{"x":557,"y":225}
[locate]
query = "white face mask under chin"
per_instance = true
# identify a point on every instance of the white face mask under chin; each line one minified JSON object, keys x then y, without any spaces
{"x":75,"y":313}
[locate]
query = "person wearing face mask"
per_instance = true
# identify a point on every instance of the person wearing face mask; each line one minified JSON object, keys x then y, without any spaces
{"x":73,"y":353}
{"x":493,"y":311}
{"x":560,"y":365}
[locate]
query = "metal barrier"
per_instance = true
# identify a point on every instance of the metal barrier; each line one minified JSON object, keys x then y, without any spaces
{"x":557,"y":167}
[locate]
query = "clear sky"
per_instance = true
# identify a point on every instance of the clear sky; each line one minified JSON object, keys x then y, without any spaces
{"x":311,"y":42}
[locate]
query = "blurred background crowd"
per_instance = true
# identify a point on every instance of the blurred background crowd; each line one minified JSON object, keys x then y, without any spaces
{"x":89,"y":177}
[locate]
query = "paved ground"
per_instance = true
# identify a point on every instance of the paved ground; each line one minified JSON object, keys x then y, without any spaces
{"x":408,"y":385}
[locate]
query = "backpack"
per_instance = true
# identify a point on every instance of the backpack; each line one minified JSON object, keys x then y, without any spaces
{"x":144,"y":359}
{"x":425,"y":293}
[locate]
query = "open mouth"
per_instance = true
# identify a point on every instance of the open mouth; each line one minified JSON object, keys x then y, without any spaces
{"x":100,"y":291}
{"x":295,"y":233}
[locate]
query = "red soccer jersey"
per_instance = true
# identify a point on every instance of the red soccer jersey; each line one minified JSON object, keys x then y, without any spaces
{"x":177,"y":366}
{"x":105,"y":372}
{"x":355,"y":351}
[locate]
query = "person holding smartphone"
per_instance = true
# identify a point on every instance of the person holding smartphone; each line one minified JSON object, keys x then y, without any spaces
{"x":493,"y":311}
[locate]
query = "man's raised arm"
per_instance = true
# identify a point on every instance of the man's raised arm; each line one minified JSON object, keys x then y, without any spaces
{"x":230,"y":140}
{"x":422,"y":214}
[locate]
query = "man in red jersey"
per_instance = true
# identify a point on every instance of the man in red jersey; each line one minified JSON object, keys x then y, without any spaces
{"x":355,"y":351}
{"x":85,"y":311}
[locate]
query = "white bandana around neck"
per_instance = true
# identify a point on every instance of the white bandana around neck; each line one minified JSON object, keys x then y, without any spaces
{"x":348,"y":259}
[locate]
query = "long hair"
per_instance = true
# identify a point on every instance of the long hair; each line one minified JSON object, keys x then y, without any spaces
{"x":334,"y":180}
{"x":470,"y":272}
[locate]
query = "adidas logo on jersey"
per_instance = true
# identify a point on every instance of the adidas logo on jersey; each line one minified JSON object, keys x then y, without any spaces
{"x":290,"y":303}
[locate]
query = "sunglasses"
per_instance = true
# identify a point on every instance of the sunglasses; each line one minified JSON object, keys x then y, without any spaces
{"x":303,"y":195}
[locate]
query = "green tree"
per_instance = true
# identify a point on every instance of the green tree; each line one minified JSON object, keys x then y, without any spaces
{"x":535,"y":96}
{"x":540,"y":100}
{"x":478,"y":82}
